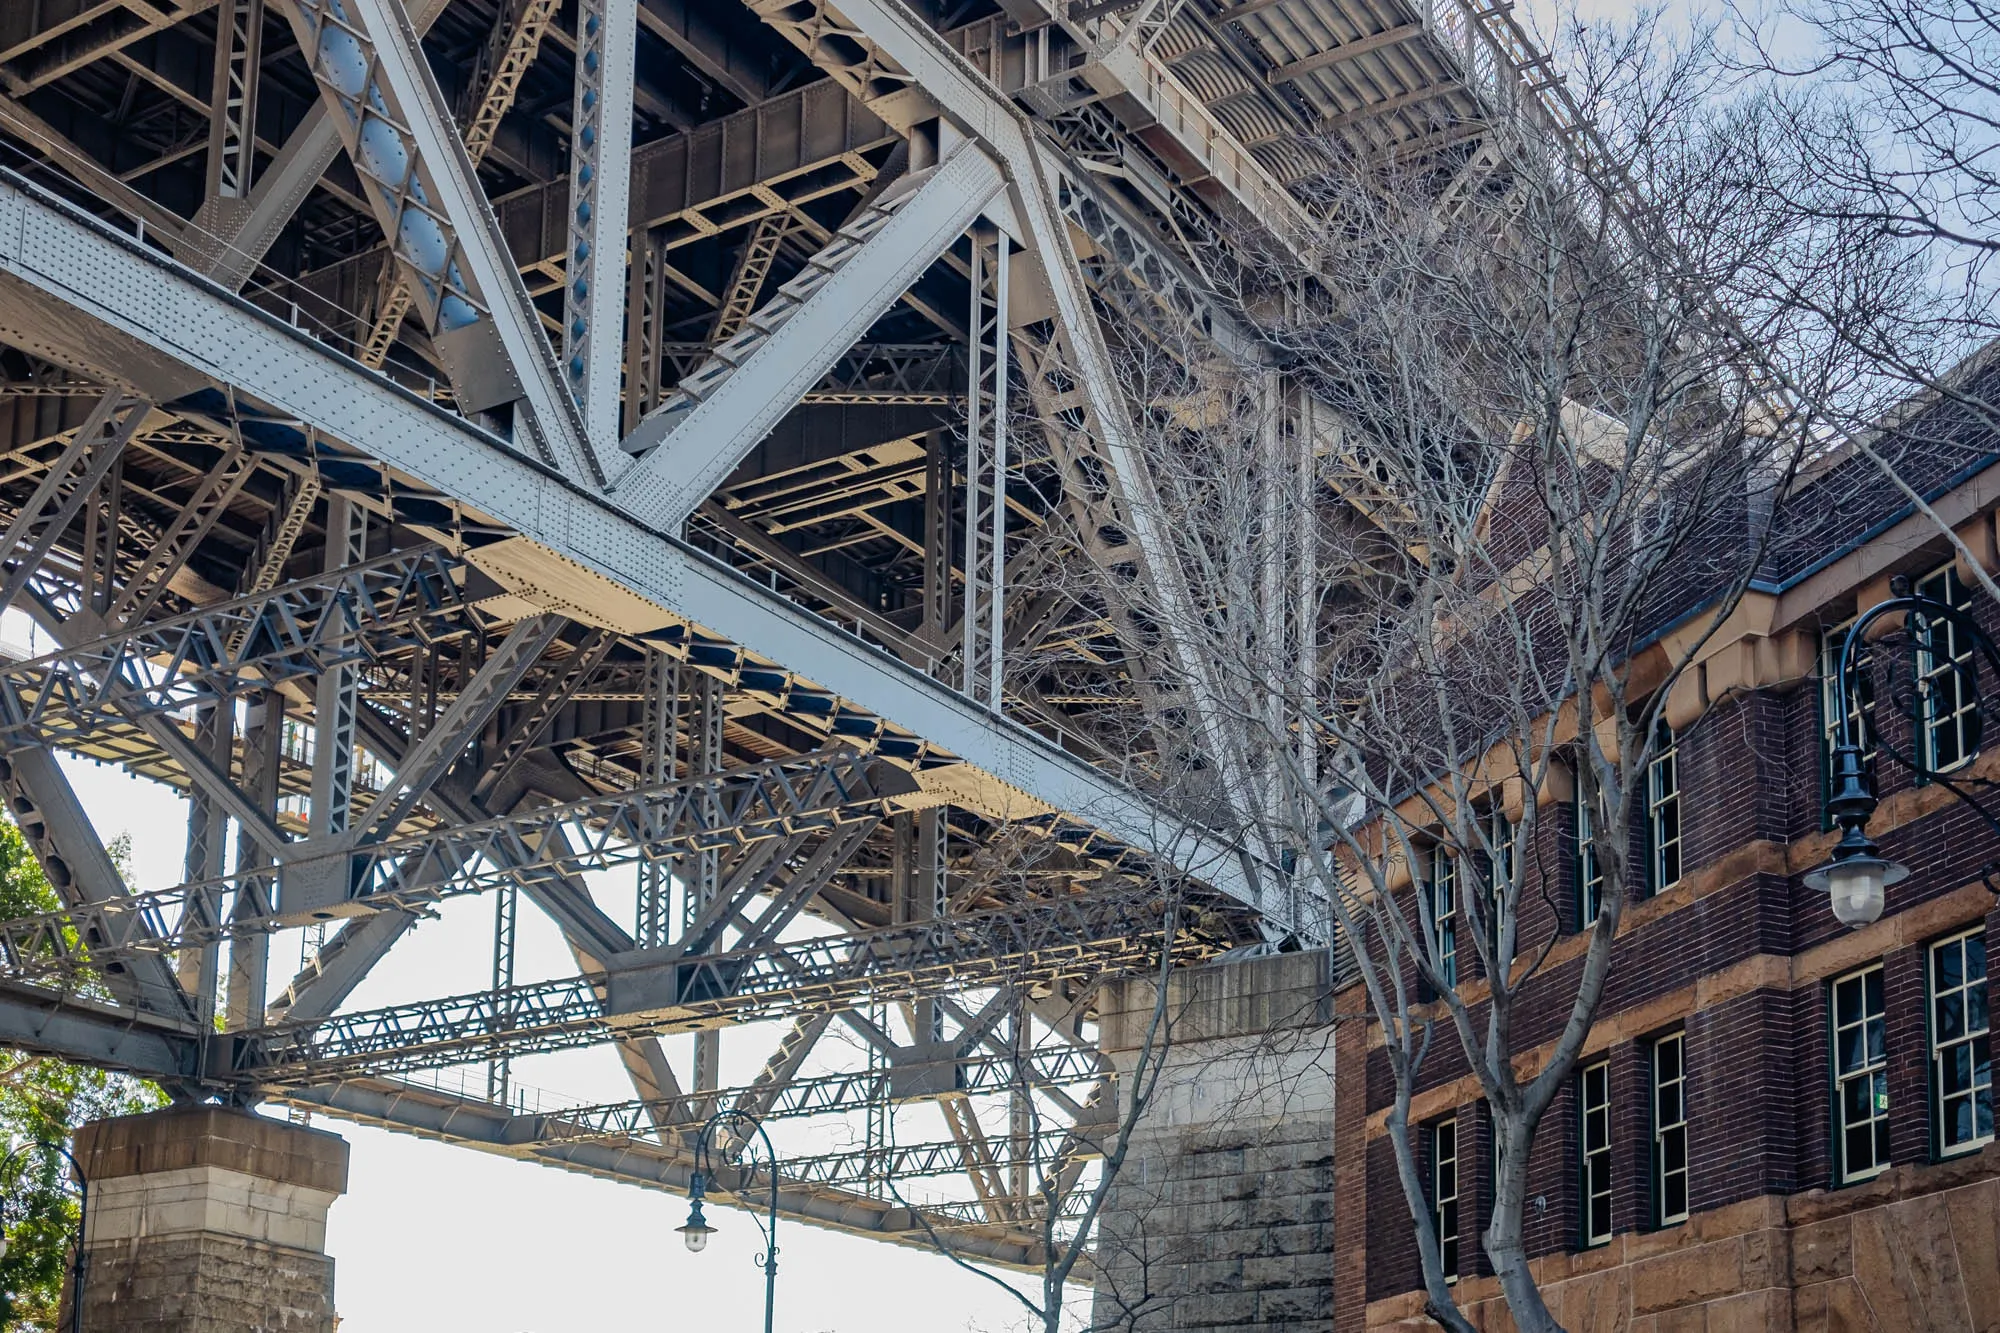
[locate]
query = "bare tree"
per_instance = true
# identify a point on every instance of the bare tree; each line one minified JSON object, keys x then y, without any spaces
{"x":1884,"y":151}
{"x":1522,"y":464}
{"x":1076,"y":1179}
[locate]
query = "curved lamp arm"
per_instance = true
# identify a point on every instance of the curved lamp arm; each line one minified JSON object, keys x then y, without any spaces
{"x":82,"y":1214}
{"x":697,"y":1229}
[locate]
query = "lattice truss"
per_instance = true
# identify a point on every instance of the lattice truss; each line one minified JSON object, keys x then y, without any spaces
{"x":601,"y":455}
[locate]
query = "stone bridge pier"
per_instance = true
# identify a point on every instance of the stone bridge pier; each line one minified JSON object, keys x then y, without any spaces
{"x":208,"y":1219}
{"x":1222,"y":1215}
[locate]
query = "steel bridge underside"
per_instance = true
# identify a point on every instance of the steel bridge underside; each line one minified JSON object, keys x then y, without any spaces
{"x":453,"y":503}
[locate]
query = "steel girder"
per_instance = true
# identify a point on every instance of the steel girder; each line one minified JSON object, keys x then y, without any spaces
{"x":385,"y":103}
{"x":609,"y":1141}
{"x":292,"y":632}
{"x":883,"y":46}
{"x":698,"y":435}
{"x":65,"y":272}
{"x":661,"y":1165}
{"x":1042,"y":944}
{"x":600,"y":197}
{"x":733,"y":808}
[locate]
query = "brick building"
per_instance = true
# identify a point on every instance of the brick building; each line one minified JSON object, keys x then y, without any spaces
{"x":1779,"y":1122}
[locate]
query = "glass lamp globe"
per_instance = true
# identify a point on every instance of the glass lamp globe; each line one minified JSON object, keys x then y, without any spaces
{"x":697,"y":1231}
{"x":1856,"y":888}
{"x":1855,"y":884}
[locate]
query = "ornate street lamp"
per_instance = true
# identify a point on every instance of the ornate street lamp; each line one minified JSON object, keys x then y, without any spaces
{"x":10,"y":1171}
{"x":740,"y":1155}
{"x":1856,"y":875}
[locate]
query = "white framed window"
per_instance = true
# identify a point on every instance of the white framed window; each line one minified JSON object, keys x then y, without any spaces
{"x":1663,"y":811}
{"x":1594,"y":1144}
{"x":1444,"y":1194}
{"x":1589,"y":873}
{"x":1670,"y":1139}
{"x":1444,"y":911}
{"x":1944,"y":666}
{"x":1860,"y":1076}
{"x":1961,"y":1044}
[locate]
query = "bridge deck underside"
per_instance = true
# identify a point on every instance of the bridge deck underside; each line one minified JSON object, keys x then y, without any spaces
{"x":313,"y":545}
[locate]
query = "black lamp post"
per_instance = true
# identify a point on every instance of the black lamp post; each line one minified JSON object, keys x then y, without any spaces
{"x":1856,"y":875}
{"x":742,"y":1156}
{"x":8,"y":1171}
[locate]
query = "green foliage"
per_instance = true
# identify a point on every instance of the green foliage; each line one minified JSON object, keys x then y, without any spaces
{"x":43,"y":1100}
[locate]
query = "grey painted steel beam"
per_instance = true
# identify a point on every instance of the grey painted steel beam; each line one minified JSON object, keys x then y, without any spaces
{"x":70,"y":287}
{"x":433,"y":754}
{"x":242,"y":237}
{"x":74,"y":1028}
{"x":600,"y":196}
{"x":704,"y":429}
{"x":642,"y":994}
{"x":381,"y":95}
{"x":80,"y":870}
{"x":480,"y":1125}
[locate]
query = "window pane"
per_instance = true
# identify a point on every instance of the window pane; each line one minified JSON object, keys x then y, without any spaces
{"x":1949,"y":966}
{"x":1847,"y":1002}
{"x":1960,"y":1045}
{"x":1951,"y":1015}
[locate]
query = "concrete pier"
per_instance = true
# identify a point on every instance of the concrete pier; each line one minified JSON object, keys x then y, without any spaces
{"x":210,"y":1219}
{"x":1221,"y":1218}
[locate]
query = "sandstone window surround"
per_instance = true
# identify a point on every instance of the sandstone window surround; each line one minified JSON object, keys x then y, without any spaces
{"x":1860,"y":1076}
{"x":1961,"y":1044}
{"x":1670,"y":1130}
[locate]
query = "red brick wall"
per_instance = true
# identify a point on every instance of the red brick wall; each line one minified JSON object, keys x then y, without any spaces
{"x":1758,"y":1094}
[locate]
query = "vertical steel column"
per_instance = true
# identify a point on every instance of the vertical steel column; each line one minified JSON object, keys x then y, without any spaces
{"x":937,"y":541}
{"x":996,"y":582}
{"x":250,"y":950}
{"x":1274,"y":529}
{"x":700,"y":872}
{"x":875,"y":1128}
{"x":335,"y":698}
{"x":232,"y":144}
{"x":645,"y":301}
{"x":100,"y":541}
{"x":1020,"y":1112}
{"x":656,"y":765}
{"x":506,"y":921}
{"x":600,"y":191}
{"x":980,"y":652}
{"x":207,"y":842}
{"x":928,"y":899}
